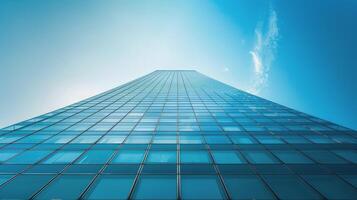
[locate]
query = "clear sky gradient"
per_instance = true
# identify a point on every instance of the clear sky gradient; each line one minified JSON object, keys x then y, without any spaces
{"x":301,"y":54}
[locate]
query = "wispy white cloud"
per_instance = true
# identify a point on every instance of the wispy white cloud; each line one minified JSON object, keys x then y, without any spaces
{"x":262,"y":54}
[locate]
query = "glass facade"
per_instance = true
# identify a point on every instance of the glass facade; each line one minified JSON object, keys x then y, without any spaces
{"x":177,"y":135}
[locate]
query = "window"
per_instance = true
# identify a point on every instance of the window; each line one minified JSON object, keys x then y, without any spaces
{"x":95,"y":157}
{"x":291,"y":157}
{"x":161,"y":157}
{"x":129,"y":156}
{"x":349,"y":155}
{"x":260,"y":157}
{"x":156,"y":187}
{"x":217,"y":139}
{"x":352,"y":179}
{"x":240,"y":139}
{"x":195,"y":157}
{"x":269,"y":140}
{"x":33,"y":139}
{"x":110,"y":139}
{"x":201,"y":187}
{"x":4,"y":178}
{"x":7,"y":154}
{"x":138,"y":139}
{"x":190,"y":139}
{"x":65,"y":187}
{"x":324,"y":157}
{"x":290,"y":187}
{"x":227,"y":157}
{"x":24,"y":186}
{"x":246,"y":187}
{"x":86,"y":139}
{"x":164,"y":139}
{"x":29,"y":157}
{"x":111,"y":187}
{"x":331,"y":187}
{"x":63,"y":157}
{"x":60,"y":139}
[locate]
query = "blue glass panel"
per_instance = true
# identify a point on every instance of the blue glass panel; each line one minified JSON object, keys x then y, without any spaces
{"x":111,"y":187}
{"x":29,"y":157}
{"x":164,"y":139}
{"x":162,"y":157}
{"x":195,"y":157}
{"x":138,"y":139}
{"x":7,"y":154}
{"x":292,"y":157}
{"x":227,"y":157}
{"x":65,"y":187}
{"x":325,"y":157}
{"x":217,"y":139}
{"x":349,"y":155}
{"x":62,"y":157}
{"x":247,"y":187}
{"x":331,"y":187}
{"x":201,"y":187}
{"x":86,"y":139}
{"x":24,"y":186}
{"x":60,"y":139}
{"x":290,"y":187}
{"x":260,"y":157}
{"x":156,"y":187}
{"x":4,"y":178}
{"x":352,"y":179}
{"x":191,"y":139}
{"x":129,"y":156}
{"x":95,"y":157}
{"x":242,"y":139}
{"x":9,"y":138}
{"x":111,"y":139}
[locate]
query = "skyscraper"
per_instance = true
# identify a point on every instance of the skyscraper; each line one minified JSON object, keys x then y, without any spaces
{"x":177,"y":135}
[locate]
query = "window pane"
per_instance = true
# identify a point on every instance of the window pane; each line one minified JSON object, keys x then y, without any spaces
{"x":238,"y":139}
{"x":195,"y":157}
{"x":260,"y":157}
{"x":95,"y":157}
{"x":29,"y":157}
{"x":290,"y":187}
{"x":246,"y":187}
{"x":156,"y":187}
{"x":292,"y":157}
{"x":24,"y":186}
{"x":7,"y":154}
{"x":60,"y":139}
{"x":86,"y":139}
{"x":109,"y":139}
{"x":129,"y":156}
{"x":217,"y":139}
{"x":162,"y":157}
{"x":324,"y":157}
{"x":190,"y":139}
{"x":332,"y":187}
{"x":63,"y":157}
{"x":349,"y":155}
{"x":4,"y":178}
{"x":227,"y":157}
{"x":201,"y":187}
{"x":164,"y":140}
{"x":66,"y":187}
{"x":138,"y":139}
{"x":111,"y":187}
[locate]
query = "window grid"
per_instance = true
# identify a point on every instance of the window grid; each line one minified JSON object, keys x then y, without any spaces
{"x":220,"y":136}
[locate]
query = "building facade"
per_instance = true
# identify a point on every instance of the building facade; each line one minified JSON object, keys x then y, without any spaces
{"x":177,"y":135}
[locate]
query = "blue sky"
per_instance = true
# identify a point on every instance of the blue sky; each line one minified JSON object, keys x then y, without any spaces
{"x":301,"y":54}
